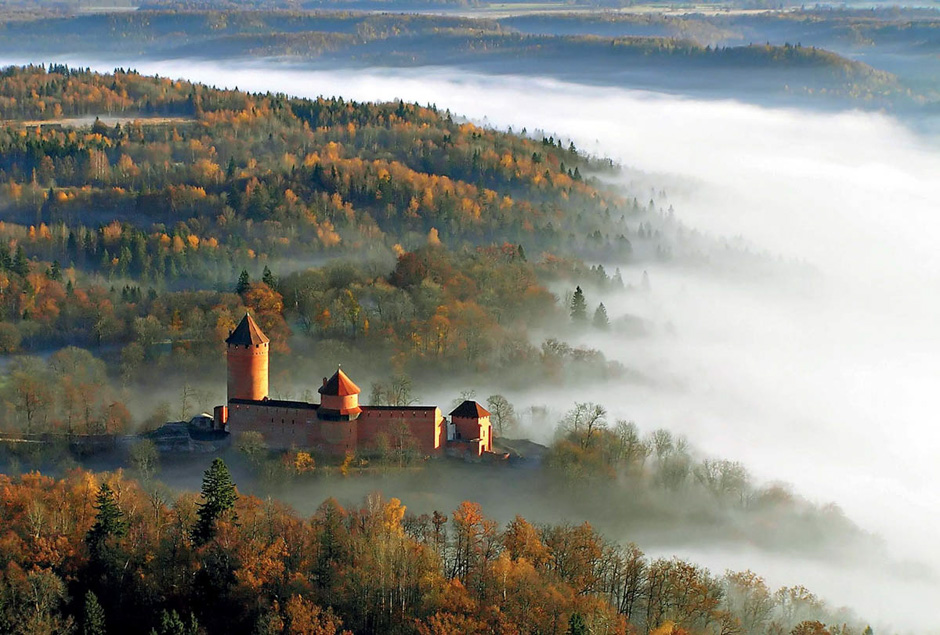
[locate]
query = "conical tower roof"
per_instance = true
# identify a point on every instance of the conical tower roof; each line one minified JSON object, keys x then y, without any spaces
{"x":247,"y":333}
{"x":339,"y":385}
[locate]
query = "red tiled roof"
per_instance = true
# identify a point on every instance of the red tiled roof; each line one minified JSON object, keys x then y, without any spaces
{"x":470,"y":410}
{"x":247,"y":333}
{"x":339,"y":385}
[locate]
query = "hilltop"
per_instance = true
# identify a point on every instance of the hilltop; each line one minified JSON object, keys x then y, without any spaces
{"x":665,"y":58}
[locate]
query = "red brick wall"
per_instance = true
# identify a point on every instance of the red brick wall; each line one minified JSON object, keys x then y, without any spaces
{"x":426,"y":426}
{"x":282,"y":428}
{"x":334,"y":437}
{"x":472,"y":428}
{"x":247,"y":372}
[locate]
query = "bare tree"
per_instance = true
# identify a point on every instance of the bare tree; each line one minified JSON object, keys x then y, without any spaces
{"x":585,"y":419}
{"x":397,"y":392}
{"x":504,"y":415}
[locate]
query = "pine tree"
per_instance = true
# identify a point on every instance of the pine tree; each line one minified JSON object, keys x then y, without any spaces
{"x":20,"y":262}
{"x":172,"y":624}
{"x":218,"y":493}
{"x":94,"y":619}
{"x":244,"y":281}
{"x":577,"y":625}
{"x":578,"y":306}
{"x":109,"y":521}
{"x":55,"y":272}
{"x":600,"y":317}
{"x":268,"y":278}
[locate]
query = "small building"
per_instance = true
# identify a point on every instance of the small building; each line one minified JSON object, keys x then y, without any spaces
{"x":470,"y":431}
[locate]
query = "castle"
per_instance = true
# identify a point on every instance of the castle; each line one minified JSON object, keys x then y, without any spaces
{"x":338,"y":425}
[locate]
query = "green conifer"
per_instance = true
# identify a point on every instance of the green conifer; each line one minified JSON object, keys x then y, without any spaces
{"x":268,"y":278}
{"x":93,"y":622}
{"x":109,"y":521}
{"x":20,"y":262}
{"x":218,"y":493}
{"x":577,"y":625}
{"x":578,"y":306}
{"x":600,"y":317}
{"x":244,"y":281}
{"x":172,"y":624}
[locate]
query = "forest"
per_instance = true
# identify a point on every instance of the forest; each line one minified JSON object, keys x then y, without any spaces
{"x":142,"y":216}
{"x":100,"y":554}
{"x":199,"y":184}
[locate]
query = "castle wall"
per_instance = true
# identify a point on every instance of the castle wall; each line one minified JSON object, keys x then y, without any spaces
{"x":335,"y":437}
{"x":470,"y":429}
{"x":247,"y":371}
{"x":426,"y":425}
{"x":281,"y":427}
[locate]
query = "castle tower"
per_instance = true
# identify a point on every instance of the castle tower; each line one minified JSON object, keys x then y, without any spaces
{"x":339,"y":398}
{"x":247,"y":357}
{"x":472,"y":423}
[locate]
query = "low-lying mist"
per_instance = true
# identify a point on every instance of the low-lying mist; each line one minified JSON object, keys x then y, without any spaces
{"x":823,"y":373}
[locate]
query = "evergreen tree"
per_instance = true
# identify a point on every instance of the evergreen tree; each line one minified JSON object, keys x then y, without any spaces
{"x":94,"y":619}
{"x":172,"y":624}
{"x":20,"y":262}
{"x":55,"y":272}
{"x":600,"y":317}
{"x":218,"y":493}
{"x":577,"y":625}
{"x":99,"y":127}
{"x":578,"y":306}
{"x":109,"y":521}
{"x":268,"y":278}
{"x":244,"y":281}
